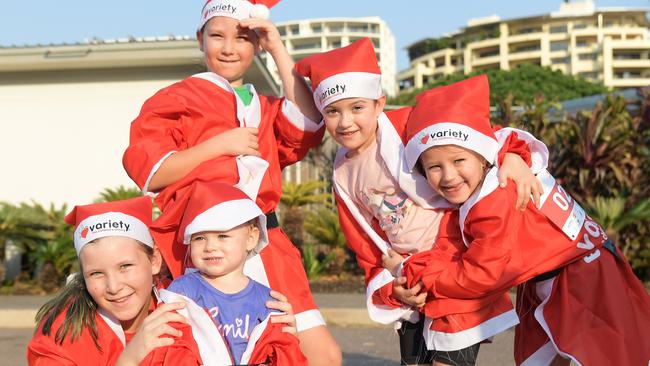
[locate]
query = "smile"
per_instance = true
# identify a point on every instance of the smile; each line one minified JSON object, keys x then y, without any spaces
{"x":347,"y":133}
{"x":120,"y":300}
{"x":453,"y":188}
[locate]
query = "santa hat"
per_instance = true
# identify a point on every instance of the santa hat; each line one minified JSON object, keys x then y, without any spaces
{"x":218,"y":206}
{"x":348,"y":72}
{"x":129,"y":218}
{"x":456,"y":114}
{"x":236,"y":9}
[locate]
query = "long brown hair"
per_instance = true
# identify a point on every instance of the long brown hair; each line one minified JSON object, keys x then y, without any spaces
{"x":80,"y":308}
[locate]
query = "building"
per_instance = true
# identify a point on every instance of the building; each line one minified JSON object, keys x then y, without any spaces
{"x":609,"y":45}
{"x":307,"y":37}
{"x":67,"y":109}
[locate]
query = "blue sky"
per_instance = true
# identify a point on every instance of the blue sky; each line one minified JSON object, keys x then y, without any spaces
{"x":36,"y":21}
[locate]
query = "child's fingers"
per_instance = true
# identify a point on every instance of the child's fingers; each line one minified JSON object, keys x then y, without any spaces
{"x":165,"y":308}
{"x":521,"y":194}
{"x":538,"y":191}
{"x":278,"y":296}
{"x":420,"y":300}
{"x":290,"y":330}
{"x":503,"y":179}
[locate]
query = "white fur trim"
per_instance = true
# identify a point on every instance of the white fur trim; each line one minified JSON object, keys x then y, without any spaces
{"x":450,"y":133}
{"x":309,"y":319}
{"x":441,"y":341}
{"x":212,"y":346}
{"x":542,"y":357}
{"x":347,"y":85}
{"x":384,"y":314}
{"x":111,"y":224}
{"x":255,"y":336}
{"x":248,"y":116}
{"x":236,"y":9}
{"x":298,"y":119}
{"x":538,"y":150}
{"x":114,"y":324}
{"x":251,"y":170}
{"x":225,"y":216}
{"x":145,"y":188}
{"x":490,"y":183}
{"x":254,"y":269}
{"x":260,"y":11}
{"x":543,"y":290}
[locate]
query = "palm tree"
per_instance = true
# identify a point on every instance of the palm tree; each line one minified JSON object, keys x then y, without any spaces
{"x":324,"y":229}
{"x":119,"y":193}
{"x":294,"y":197}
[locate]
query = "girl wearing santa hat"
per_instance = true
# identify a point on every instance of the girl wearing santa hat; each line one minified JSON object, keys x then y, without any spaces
{"x":382,"y":206}
{"x":582,"y":301}
{"x":108,"y":314}
{"x":214,"y":127}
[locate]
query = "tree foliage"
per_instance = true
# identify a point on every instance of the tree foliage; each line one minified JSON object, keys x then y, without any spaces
{"x":523,"y":83}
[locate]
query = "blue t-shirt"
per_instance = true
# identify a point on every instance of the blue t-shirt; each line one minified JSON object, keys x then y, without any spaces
{"x":235,"y":314}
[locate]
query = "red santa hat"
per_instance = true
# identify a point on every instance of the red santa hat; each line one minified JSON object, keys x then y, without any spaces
{"x":236,"y":9}
{"x":218,"y":206}
{"x":129,"y":218}
{"x":456,"y":114}
{"x":348,"y":72}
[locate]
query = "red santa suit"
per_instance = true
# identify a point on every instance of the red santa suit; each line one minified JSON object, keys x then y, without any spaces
{"x":43,"y":350}
{"x":470,"y":321}
{"x":589,"y":312}
{"x":196,"y":109}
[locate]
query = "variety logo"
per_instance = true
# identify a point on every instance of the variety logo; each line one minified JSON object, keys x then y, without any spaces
{"x":330,"y":92}
{"x":105,"y":226}
{"x":219,"y":8}
{"x":445,"y":134}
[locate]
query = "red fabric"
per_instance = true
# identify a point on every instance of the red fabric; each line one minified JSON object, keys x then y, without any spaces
{"x":42,"y":350}
{"x":190,"y":112}
{"x":597,"y":312}
{"x":277,"y":348}
{"x":506,"y":247}
{"x":514,"y":145}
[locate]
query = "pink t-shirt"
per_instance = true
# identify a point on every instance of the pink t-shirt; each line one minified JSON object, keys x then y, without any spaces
{"x":366,"y":179}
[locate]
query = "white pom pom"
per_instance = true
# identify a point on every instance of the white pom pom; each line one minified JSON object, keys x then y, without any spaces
{"x":260,"y":11}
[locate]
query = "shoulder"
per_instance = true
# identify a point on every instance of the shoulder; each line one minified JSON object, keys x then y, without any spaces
{"x":184,"y":283}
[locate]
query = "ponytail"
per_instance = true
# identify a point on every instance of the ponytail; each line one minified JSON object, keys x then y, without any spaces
{"x":80,"y":314}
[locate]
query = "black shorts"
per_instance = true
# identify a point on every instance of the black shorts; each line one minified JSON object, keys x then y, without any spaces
{"x":413,"y":348}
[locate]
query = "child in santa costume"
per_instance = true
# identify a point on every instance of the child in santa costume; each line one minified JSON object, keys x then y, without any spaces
{"x":224,"y":227}
{"x":213,"y":127}
{"x":382,"y":206}
{"x":583,"y":302}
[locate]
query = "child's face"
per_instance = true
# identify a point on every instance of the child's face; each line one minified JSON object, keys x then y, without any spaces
{"x":217,"y":254}
{"x":454,"y":172}
{"x":119,"y":275}
{"x":352,"y":122}
{"x":228,"y":48}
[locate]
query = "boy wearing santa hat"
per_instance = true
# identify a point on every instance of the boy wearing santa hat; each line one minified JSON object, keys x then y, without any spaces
{"x":584,"y":302}
{"x":223,"y":228}
{"x":213,"y":127}
{"x":382,"y":206}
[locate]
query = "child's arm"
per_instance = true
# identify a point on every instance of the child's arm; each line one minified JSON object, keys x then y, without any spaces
{"x":294,"y":86}
{"x":478,"y":271}
{"x":159,"y":154}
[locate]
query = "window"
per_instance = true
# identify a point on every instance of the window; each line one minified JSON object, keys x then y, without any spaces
{"x":489,"y":53}
{"x":316,"y":28}
{"x":582,"y":44}
{"x":559,"y":46}
{"x":559,"y":60}
{"x":558,"y":29}
{"x":336,"y":28}
{"x":588,"y":56}
{"x":295,"y":30}
{"x":579,"y":26}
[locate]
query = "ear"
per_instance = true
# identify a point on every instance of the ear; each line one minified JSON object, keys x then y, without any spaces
{"x":381,"y":103}
{"x":156,"y":261}
{"x":253,"y":238}
{"x":199,"y":38}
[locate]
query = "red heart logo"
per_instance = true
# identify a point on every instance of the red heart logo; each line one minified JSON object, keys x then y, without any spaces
{"x":424,"y":139}
{"x":84,"y":232}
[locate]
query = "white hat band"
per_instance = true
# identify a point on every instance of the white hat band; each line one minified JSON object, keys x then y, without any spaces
{"x":111,"y":224}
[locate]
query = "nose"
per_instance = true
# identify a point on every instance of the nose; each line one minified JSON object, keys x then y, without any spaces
{"x":113,"y":283}
{"x":448,"y":174}
{"x":227,"y":46}
{"x":210,"y":245}
{"x":346,"y":120}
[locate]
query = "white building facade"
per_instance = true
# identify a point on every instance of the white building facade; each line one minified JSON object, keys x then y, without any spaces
{"x":609,"y":45}
{"x":311,"y":36}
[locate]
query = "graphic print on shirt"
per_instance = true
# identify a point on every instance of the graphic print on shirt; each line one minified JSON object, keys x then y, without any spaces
{"x":239,"y":328}
{"x":389,"y":207}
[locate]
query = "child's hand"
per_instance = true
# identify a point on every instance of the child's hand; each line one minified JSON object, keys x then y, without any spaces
{"x":283,"y":305}
{"x":409,"y":296}
{"x":515,"y":168}
{"x":391,"y":261}
{"x":237,"y":141}
{"x":153,"y":333}
{"x":269,"y":36}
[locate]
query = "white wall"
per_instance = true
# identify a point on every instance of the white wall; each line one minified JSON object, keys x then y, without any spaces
{"x":63,"y":142}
